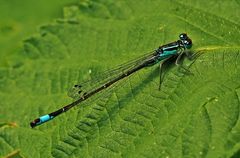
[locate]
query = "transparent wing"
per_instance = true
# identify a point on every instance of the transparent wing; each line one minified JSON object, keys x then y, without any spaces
{"x":78,"y":90}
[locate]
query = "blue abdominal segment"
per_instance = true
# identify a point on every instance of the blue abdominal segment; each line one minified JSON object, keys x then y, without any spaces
{"x":45,"y":118}
{"x":41,"y":120}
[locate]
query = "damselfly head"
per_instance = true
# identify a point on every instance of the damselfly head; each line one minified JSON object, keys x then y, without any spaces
{"x":186,"y":41}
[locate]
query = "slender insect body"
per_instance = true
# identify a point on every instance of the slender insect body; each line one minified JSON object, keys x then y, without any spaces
{"x":161,"y":54}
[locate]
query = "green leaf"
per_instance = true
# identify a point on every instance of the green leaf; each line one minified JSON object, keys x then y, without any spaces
{"x":19,"y":19}
{"x":192,"y":116}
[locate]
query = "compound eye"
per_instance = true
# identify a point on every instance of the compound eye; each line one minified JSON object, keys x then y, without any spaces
{"x":183,"y":36}
{"x":187,"y":43}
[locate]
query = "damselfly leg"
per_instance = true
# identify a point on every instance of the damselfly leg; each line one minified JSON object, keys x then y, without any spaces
{"x":161,"y":75}
{"x":190,"y":56}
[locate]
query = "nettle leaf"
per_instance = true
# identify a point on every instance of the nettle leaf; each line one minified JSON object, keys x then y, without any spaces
{"x":192,"y":116}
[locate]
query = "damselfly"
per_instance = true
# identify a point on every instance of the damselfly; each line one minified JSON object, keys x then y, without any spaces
{"x":160,"y":55}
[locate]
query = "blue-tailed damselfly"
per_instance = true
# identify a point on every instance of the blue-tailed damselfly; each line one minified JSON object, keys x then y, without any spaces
{"x":161,"y":54}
